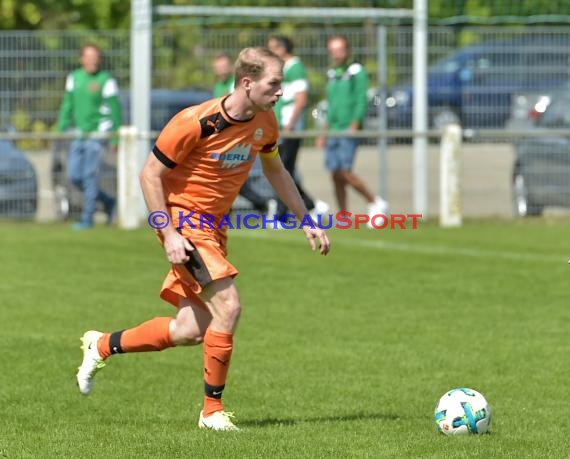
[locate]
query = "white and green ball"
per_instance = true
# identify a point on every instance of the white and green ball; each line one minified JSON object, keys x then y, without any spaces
{"x":462,"y":411}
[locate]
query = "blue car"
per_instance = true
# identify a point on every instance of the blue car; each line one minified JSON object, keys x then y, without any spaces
{"x":474,"y":86}
{"x":18,"y":183}
{"x":165,"y":103}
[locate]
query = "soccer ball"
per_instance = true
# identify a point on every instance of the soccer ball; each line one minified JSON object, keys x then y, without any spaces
{"x":462,"y":411}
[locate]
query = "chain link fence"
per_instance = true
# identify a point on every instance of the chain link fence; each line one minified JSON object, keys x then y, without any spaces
{"x":502,"y":84}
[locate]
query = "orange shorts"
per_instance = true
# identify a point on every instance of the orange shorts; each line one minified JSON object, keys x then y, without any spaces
{"x":207,"y":263}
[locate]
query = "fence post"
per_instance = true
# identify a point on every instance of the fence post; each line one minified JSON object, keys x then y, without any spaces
{"x":127,"y":176}
{"x":450,"y":205}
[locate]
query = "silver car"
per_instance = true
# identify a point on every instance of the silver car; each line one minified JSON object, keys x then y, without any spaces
{"x":541,"y":172}
{"x":18,"y":183}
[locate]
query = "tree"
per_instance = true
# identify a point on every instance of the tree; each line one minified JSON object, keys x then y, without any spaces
{"x":64,"y":14}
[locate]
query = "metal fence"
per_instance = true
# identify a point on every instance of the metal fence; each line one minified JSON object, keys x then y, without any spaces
{"x":485,"y":78}
{"x":474,"y":73}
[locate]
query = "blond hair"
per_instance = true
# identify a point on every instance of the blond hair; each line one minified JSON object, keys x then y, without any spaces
{"x":251,"y":62}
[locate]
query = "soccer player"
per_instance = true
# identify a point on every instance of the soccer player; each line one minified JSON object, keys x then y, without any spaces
{"x":90,"y":104}
{"x":197,"y":166}
{"x":346,"y":95}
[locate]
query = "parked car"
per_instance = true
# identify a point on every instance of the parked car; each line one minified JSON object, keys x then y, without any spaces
{"x":475,"y":84}
{"x":18,"y":183}
{"x":165,"y":103}
{"x":541,"y":171}
{"x":528,"y":107}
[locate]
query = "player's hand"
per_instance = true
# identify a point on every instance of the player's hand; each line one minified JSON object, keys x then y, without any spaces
{"x":315,"y":233}
{"x":176,"y":246}
{"x":320,"y":141}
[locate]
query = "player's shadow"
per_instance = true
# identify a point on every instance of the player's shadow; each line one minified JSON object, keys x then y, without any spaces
{"x":269,"y":422}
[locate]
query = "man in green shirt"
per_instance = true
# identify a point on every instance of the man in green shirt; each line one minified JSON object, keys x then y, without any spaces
{"x":90,"y":104}
{"x":224,"y":70}
{"x":347,"y":102}
{"x":290,"y":113}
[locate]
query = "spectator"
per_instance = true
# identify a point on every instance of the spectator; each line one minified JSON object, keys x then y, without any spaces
{"x":90,"y":104}
{"x":290,"y":113}
{"x":346,"y":95}
{"x":224,"y":70}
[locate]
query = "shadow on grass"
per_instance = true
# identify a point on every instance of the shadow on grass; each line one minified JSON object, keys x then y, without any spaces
{"x":269,"y":422}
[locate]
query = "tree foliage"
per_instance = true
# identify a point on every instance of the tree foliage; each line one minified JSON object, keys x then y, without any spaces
{"x":115,"y":14}
{"x":64,"y":14}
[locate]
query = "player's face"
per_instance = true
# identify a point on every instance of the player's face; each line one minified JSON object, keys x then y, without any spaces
{"x":266,"y":91}
{"x":90,"y":60}
{"x":338,"y":51}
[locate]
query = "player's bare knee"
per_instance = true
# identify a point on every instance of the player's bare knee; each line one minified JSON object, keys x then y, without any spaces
{"x":227,"y":315}
{"x":230,"y":311}
{"x":185,"y":334}
{"x":234,"y":311}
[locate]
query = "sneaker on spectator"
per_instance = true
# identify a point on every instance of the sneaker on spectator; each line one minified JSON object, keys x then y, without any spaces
{"x":272,"y":206}
{"x":321,"y":208}
{"x":378,"y":207}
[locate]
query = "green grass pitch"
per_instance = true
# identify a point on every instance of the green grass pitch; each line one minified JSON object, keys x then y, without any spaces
{"x":340,"y":356}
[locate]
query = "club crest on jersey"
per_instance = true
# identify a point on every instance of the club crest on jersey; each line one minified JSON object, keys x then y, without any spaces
{"x":235,"y":157}
{"x":258,"y":134}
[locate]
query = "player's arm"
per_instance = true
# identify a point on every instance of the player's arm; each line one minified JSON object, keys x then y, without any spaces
{"x":176,"y":140}
{"x":283,"y":184}
{"x":150,"y":177}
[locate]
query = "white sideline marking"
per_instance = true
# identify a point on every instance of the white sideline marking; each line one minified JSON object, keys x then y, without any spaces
{"x":411,"y":248}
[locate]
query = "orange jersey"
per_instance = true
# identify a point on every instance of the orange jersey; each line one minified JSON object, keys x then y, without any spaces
{"x":210,"y":155}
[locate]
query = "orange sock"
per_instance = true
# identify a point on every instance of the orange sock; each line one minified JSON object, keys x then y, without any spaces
{"x":217,"y":354}
{"x":153,"y":335}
